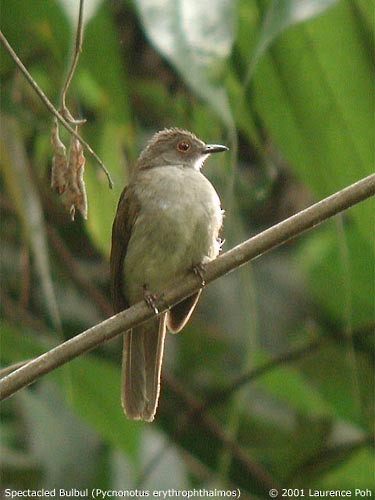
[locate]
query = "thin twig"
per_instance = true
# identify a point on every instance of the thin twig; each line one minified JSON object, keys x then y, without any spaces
{"x":77,"y":50}
{"x":50,"y":106}
{"x":329,"y":454}
{"x":254,"y":470}
{"x":189,"y":284}
{"x":204,"y":474}
{"x":281,"y":360}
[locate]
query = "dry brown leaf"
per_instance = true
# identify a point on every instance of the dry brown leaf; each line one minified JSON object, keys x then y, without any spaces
{"x":59,"y":161}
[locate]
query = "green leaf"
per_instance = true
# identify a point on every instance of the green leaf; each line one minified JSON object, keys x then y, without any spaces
{"x":102,"y":200}
{"x":102,"y":85}
{"x":96,"y":397}
{"x":357,"y":472}
{"x":195,"y":38}
{"x":341,"y":274}
{"x":317,"y":109}
{"x":91,"y":384}
{"x":289,"y":385}
{"x":59,"y":441}
{"x":344,"y":378}
{"x":364,"y":9}
{"x":45,"y":25}
{"x":281,"y":15}
{"x":103,"y":62}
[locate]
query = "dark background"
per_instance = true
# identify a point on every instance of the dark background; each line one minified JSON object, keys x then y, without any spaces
{"x":288,"y":86}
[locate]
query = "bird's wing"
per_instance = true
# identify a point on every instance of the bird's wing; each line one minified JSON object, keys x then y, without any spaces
{"x":127,"y":210}
{"x":143,"y":346}
{"x":179,"y":314}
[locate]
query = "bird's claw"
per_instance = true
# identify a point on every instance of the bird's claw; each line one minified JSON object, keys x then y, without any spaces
{"x":150,"y":299}
{"x":200,"y":270}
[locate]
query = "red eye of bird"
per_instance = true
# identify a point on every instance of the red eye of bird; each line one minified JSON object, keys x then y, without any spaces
{"x":183,"y":146}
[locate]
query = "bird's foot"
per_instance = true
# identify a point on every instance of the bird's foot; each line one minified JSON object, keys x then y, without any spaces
{"x":200,"y":270}
{"x":150,"y":299}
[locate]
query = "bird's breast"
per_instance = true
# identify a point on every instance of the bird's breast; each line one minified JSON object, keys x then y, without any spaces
{"x":177,"y":227}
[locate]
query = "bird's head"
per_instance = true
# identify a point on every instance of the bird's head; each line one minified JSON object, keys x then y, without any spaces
{"x":176,"y":147}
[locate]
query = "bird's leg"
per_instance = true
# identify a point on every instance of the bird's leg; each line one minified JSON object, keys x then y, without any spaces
{"x":200,"y":270}
{"x":150,"y":299}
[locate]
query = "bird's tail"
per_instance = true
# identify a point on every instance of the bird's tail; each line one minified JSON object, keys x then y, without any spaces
{"x":141,"y":369}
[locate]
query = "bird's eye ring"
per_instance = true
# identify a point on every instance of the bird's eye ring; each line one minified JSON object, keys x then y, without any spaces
{"x":183,"y":146}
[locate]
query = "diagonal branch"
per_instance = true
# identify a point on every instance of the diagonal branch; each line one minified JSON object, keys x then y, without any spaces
{"x":222,"y":395}
{"x":186,"y":286}
{"x":212,"y":426}
{"x":50,"y":106}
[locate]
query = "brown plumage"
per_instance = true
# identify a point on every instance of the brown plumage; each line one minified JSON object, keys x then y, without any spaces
{"x":168,"y":221}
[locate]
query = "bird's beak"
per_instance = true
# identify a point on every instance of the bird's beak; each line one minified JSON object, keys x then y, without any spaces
{"x":214,"y":148}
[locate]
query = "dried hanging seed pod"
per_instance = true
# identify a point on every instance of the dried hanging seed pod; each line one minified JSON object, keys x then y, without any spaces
{"x":75,"y":193}
{"x":82,"y":206}
{"x":59,"y":161}
{"x":67,"y":175}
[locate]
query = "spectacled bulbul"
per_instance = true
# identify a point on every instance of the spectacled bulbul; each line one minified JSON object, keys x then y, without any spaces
{"x":167,"y":223}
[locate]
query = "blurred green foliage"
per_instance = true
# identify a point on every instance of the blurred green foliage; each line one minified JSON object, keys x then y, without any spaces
{"x":288,"y":85}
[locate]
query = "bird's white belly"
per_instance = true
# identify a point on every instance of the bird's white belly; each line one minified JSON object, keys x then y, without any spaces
{"x":177,"y":228}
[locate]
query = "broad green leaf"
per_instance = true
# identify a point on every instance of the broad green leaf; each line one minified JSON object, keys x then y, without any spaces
{"x":196,"y":38}
{"x":364,"y":10}
{"x":96,"y":397}
{"x":102,"y":85}
{"x":343,"y":376}
{"x":332,"y":382}
{"x":45,"y":25}
{"x":317,"y":109}
{"x":102,"y":200}
{"x":280,"y":15}
{"x":101,"y":58}
{"x":355,"y":473}
{"x":289,"y":385}
{"x":341,"y":274}
{"x":58,"y":440}
{"x":92,"y":386}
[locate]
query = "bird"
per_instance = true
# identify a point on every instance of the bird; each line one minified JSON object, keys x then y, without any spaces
{"x":168,"y":223}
